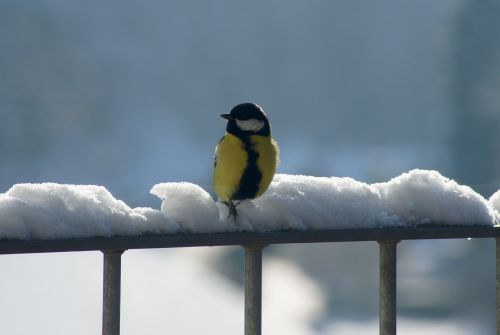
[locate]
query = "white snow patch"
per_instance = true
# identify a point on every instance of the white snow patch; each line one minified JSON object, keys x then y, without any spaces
{"x":495,"y":200}
{"x":495,"y":204}
{"x":305,"y":202}
{"x":293,"y":202}
{"x":421,"y":196}
{"x":190,"y":206}
{"x":49,"y":211}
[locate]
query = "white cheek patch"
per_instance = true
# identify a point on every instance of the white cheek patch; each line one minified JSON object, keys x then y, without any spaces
{"x":250,"y":125}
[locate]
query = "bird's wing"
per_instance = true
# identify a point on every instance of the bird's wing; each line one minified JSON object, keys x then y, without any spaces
{"x":277,"y":148}
{"x":216,"y":147}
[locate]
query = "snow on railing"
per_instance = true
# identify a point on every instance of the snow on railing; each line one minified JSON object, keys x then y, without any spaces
{"x":36,"y":218}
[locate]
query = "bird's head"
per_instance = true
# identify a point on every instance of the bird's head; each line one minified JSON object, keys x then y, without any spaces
{"x":247,"y":119}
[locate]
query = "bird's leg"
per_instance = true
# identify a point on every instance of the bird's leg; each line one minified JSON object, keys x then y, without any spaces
{"x":232,"y":208}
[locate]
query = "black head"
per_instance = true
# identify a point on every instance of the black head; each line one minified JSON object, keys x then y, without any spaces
{"x":247,"y":119}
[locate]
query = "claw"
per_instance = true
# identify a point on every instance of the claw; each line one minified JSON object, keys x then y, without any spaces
{"x":232,"y":208}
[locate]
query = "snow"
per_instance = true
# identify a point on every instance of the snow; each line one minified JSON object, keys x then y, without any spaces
{"x":298,"y":202}
{"x":495,"y":203}
{"x":426,"y":196}
{"x":293,"y":202}
{"x":190,"y":206}
{"x":48,"y":211}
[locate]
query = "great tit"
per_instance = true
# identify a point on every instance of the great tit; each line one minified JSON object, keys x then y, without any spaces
{"x":246,"y":156}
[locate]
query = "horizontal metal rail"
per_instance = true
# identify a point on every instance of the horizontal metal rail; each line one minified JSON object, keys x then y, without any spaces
{"x":388,"y":238}
{"x":246,"y":238}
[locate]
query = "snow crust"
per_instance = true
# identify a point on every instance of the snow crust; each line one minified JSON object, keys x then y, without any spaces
{"x":298,"y":202}
{"x":495,"y":201}
{"x":293,"y":202}
{"x":190,"y":206}
{"x":48,"y":211}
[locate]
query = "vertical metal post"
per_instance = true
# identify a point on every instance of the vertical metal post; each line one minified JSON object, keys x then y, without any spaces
{"x":111,"y":292}
{"x":387,"y":290}
{"x":497,"y":240}
{"x":253,"y":290}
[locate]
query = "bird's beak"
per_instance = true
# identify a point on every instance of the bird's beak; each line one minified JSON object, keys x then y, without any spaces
{"x":226,"y":116}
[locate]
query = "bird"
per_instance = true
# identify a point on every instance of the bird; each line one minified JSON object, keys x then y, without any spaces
{"x":246,"y":157}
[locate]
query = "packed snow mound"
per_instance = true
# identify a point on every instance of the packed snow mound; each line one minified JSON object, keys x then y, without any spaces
{"x":49,"y":211}
{"x":495,"y":203}
{"x":495,"y":200}
{"x":295,"y":202}
{"x":189,"y":205}
{"x":292,"y":202}
{"x":422,"y":196}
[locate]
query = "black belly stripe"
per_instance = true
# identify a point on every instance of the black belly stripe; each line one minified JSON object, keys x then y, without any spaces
{"x":250,"y":180}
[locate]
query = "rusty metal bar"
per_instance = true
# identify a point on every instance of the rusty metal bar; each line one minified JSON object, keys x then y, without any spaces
{"x":387,"y":290}
{"x":111,"y":292}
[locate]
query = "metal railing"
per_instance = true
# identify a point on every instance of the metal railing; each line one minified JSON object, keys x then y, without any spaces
{"x":253,"y":243}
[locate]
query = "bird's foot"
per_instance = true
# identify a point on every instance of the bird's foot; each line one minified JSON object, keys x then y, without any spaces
{"x":232,"y":208}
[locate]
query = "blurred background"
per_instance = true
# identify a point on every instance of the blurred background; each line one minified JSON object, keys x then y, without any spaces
{"x":126,"y":94}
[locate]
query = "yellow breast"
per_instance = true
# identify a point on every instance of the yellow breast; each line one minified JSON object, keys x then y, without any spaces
{"x":267,"y":160}
{"x":232,"y":160}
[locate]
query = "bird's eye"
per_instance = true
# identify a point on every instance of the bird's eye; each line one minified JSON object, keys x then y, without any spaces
{"x":250,"y":125}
